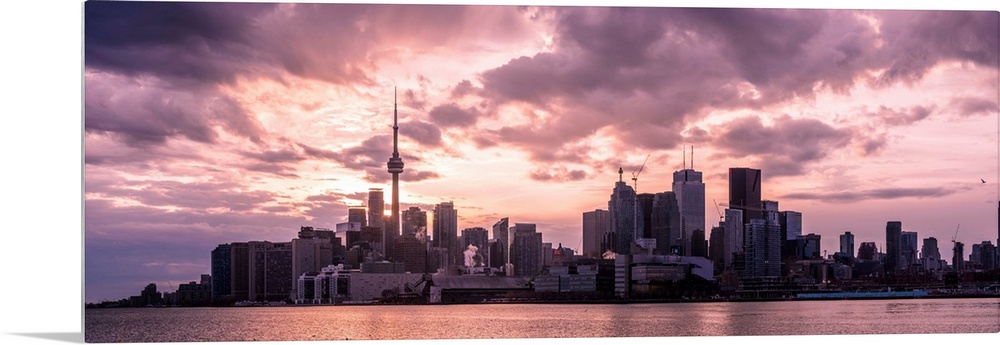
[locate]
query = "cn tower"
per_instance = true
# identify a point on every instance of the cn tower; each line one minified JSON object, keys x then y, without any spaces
{"x":395,"y":167}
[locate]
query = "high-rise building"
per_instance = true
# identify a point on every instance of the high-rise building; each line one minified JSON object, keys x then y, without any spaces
{"x":957,"y":262}
{"x":716,"y":246}
{"x":908,"y":249}
{"x":690,"y":192}
{"x":546,"y":254}
{"x":987,"y":255}
{"x":525,"y":249}
{"x":595,"y":224}
{"x":310,"y":253}
{"x":414,"y":222}
{"x":666,"y":224}
{"x":270,"y":271}
{"x":412,"y":253}
{"x":495,"y":256}
{"x":808,"y":247}
{"x":645,"y":201}
{"x":762,"y":244}
{"x":847,"y":244}
{"x":222,"y":267}
{"x":626,"y":218}
{"x":791,"y":229}
{"x":446,"y":230}
{"x":698,"y":245}
{"x":867,"y":251}
{"x":893,"y":246}
{"x":930,"y":249}
{"x":480,"y":239}
{"x":744,"y":192}
{"x":376,"y":208}
{"x":501,"y":233}
{"x":395,"y":167}
{"x":357,"y":214}
{"x":733,"y":237}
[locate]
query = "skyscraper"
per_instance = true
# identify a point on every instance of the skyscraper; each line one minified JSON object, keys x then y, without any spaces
{"x":930,"y":249}
{"x":716,"y":246}
{"x":356,"y":214}
{"x":270,"y":271}
{"x":762,"y":244}
{"x":666,"y":227}
{"x":526,"y":249}
{"x":791,"y":229}
{"x":733,"y":237}
{"x":908,"y":249}
{"x":479,"y":238}
{"x":893,"y":246}
{"x":376,"y":207}
{"x":395,"y":166}
{"x":501,"y":233}
{"x":626,"y":218}
{"x":690,"y":193}
{"x":744,"y":192}
{"x":957,"y":262}
{"x":645,"y":201}
{"x":867,"y":251}
{"x":446,"y":230}
{"x":595,"y":224}
{"x":414,"y":221}
{"x":847,"y":244}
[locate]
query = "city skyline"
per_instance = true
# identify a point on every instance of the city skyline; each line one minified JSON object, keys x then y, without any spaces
{"x":529,"y":125}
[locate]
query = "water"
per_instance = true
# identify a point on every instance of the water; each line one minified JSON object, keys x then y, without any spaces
{"x":486,"y":321}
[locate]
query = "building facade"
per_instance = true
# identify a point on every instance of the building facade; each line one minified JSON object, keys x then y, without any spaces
{"x":595,"y":224}
{"x":446,"y":230}
{"x":690,"y":192}
{"x":626,"y":218}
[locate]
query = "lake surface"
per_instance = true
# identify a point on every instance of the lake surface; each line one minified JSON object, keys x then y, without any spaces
{"x":484,"y":321}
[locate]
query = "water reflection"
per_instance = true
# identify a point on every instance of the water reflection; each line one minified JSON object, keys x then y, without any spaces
{"x":543,"y":321}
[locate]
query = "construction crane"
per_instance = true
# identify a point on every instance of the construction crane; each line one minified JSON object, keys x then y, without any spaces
{"x":635,"y":175}
{"x":721,"y":216}
{"x":956,"y":233}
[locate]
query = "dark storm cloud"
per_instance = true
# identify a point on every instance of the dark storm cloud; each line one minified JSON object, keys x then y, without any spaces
{"x":204,"y":43}
{"x":967,"y":106}
{"x":451,"y":115}
{"x":872,"y":194}
{"x":786,"y":146}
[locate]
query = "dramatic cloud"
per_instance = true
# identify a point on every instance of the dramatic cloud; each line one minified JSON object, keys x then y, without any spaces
{"x":783,"y":148}
{"x":143,"y":112}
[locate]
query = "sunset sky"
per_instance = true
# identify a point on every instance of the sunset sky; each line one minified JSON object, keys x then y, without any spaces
{"x":221,"y":122}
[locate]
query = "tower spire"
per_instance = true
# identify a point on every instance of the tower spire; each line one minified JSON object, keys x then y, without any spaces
{"x":395,"y":125}
{"x":395,"y":165}
{"x":692,"y":157}
{"x":685,"y":160}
